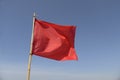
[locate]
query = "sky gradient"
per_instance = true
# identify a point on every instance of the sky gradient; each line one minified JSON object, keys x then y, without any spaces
{"x":97,"y":40}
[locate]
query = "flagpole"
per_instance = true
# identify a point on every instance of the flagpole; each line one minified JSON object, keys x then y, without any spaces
{"x":30,"y":54}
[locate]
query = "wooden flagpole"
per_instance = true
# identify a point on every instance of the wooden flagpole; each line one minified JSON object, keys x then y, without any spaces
{"x":30,"y":55}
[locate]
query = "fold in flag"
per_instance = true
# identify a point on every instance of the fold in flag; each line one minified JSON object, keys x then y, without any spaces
{"x":53,"y":41}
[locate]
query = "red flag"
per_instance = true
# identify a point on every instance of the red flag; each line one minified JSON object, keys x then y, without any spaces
{"x":53,"y":41}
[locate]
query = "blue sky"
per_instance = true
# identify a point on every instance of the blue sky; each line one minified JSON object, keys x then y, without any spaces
{"x":97,"y":39}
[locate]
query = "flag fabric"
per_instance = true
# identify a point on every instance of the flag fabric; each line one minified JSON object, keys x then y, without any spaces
{"x":53,"y":41}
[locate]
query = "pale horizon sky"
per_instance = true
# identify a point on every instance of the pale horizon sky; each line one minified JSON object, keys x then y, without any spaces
{"x":97,"y":40}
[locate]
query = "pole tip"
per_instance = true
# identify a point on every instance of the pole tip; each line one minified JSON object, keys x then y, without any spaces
{"x":34,"y":14}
